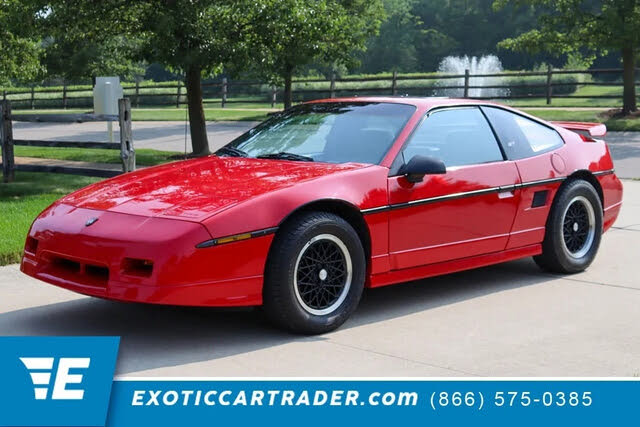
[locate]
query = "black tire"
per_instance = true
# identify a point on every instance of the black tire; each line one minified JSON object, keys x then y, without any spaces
{"x":291,"y":298}
{"x":573,"y":230}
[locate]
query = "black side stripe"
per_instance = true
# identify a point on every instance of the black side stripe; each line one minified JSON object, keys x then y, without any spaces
{"x":456,"y":196}
{"x":607,"y":172}
{"x":473,"y":193}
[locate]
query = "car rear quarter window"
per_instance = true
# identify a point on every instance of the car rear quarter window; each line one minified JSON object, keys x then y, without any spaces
{"x":457,"y":136}
{"x":522,"y":137}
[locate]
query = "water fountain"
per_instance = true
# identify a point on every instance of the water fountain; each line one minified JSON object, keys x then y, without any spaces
{"x":488,"y":64}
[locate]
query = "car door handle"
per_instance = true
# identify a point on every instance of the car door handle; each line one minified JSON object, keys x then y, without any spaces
{"x":506,"y":191}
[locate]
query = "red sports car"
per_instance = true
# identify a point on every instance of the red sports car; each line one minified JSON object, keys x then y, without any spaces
{"x":304,"y":211}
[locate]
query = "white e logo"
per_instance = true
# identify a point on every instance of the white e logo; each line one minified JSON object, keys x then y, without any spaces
{"x":40,"y":370}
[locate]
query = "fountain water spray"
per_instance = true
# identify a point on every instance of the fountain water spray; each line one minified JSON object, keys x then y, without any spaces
{"x":488,"y":64}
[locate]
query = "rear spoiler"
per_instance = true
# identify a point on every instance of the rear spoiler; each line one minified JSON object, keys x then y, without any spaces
{"x":595,"y":130}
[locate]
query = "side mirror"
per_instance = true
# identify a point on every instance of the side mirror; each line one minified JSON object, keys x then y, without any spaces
{"x":419,"y":166}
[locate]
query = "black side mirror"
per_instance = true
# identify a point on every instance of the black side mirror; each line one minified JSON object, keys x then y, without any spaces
{"x":419,"y":166}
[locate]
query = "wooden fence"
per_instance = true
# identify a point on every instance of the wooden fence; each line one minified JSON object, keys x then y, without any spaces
{"x":127,"y":152}
{"x":547,"y":85}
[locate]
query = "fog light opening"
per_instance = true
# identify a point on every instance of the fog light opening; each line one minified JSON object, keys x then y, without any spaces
{"x":31,"y":245}
{"x":137,"y":267}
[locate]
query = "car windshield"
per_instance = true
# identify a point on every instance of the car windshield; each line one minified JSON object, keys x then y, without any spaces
{"x":333,"y":132}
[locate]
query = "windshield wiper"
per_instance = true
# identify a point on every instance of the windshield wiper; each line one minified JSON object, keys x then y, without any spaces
{"x":283,"y":155}
{"x":232,"y":152}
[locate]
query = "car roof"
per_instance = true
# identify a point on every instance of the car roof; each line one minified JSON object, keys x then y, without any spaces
{"x":420,"y":102}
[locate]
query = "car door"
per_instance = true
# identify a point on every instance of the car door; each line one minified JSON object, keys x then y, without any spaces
{"x":467,"y":211}
{"x":536,"y":149}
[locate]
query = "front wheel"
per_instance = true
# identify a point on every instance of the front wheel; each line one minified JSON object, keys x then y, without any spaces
{"x":574,"y":229}
{"x":315,"y":274}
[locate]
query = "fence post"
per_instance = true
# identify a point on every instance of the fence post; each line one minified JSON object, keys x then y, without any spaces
{"x":225,"y":88}
{"x":466,"y":84}
{"x":394,"y":84}
{"x":6,"y":141}
{"x":549,"y":87}
{"x":138,"y":93}
{"x":274,"y":95}
{"x":33,"y":95}
{"x":332,"y":85}
{"x":127,"y":153}
{"x":178,"y":94}
{"x":4,"y":95}
{"x":64,"y":96}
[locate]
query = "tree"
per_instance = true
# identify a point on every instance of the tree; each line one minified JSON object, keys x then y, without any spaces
{"x":19,"y":42}
{"x":292,"y":33}
{"x":76,"y":60}
{"x":587,"y":27}
{"x":469,"y":27}
{"x":196,"y":38}
{"x":394,"y":49}
{"x":190,"y":37}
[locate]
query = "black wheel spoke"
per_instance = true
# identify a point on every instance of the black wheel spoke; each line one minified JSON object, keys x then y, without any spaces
{"x":321,"y":274}
{"x":576,"y":227}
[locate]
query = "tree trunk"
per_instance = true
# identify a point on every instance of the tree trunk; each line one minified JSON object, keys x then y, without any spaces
{"x":198,"y":126}
{"x":629,"y":79}
{"x":288,"y":93}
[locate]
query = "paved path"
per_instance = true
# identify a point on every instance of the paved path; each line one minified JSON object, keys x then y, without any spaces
{"x":625,"y":149}
{"x":505,"y":320}
{"x":170,"y":136}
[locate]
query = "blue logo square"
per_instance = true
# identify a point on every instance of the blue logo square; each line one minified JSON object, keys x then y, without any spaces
{"x":56,"y":381}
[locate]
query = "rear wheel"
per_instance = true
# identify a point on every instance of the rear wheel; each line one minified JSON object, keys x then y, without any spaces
{"x":574,"y":229}
{"x":315,"y":274}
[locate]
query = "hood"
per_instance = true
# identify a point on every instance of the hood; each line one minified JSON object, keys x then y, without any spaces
{"x":196,"y":189}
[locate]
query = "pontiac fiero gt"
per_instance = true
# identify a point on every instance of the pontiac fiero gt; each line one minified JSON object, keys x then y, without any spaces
{"x":304,"y":211}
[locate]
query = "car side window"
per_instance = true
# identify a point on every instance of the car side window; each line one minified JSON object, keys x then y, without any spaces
{"x":522,"y":137}
{"x":457,"y":136}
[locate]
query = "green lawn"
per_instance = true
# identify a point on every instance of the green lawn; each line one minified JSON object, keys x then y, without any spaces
{"x":587,"y":116}
{"x":577,"y":102}
{"x":144,"y":156}
{"x":22,"y":200}
{"x":210,"y":114}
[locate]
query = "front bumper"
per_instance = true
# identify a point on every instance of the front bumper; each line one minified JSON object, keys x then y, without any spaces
{"x":141,"y":259}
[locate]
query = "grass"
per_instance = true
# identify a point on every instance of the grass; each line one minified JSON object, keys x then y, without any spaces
{"x":587,"y":116}
{"x":144,"y":156}
{"x":210,"y":114}
{"x":22,"y":200}
{"x":577,"y":102}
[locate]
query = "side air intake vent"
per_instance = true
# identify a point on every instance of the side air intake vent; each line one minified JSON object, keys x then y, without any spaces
{"x":539,"y":198}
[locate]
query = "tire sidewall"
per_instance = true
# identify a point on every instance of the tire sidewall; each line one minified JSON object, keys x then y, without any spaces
{"x":299,"y":318}
{"x":554,"y":239}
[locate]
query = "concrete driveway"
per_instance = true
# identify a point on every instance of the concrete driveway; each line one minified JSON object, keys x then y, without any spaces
{"x":505,"y":320}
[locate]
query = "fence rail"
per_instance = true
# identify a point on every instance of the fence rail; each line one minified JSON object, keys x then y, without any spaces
{"x":545,"y":85}
{"x":7,"y":142}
